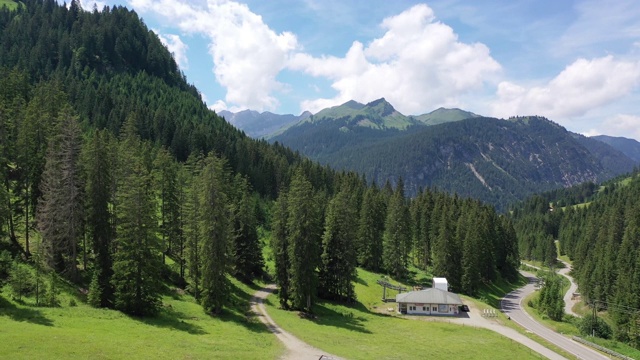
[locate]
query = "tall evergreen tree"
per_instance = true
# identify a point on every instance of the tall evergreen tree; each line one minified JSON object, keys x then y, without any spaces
{"x":60,"y":211}
{"x":371,"y":229}
{"x":397,"y":235}
{"x":280,"y":247}
{"x":216,"y":234}
{"x":99,"y":174}
{"x":470,"y":241}
{"x":304,"y":237}
{"x":136,"y":277}
{"x":338,"y":267}
{"x":33,"y":138}
{"x":192,"y":226}
{"x":166,"y":178}
{"x":247,"y":250}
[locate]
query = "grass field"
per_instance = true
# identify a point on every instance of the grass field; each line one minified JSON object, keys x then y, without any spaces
{"x":361,"y":332}
{"x":181,"y":331}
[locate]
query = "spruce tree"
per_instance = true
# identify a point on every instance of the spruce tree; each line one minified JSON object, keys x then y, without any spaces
{"x":338,"y":267}
{"x":470,"y":253}
{"x":246,"y":252}
{"x":137,"y":261}
{"x":167,"y":185}
{"x":304,"y":234}
{"x":192,"y":224}
{"x":280,"y":247}
{"x":371,"y":229}
{"x":99,"y":173}
{"x":215,"y":234}
{"x":397,"y":235}
{"x":61,"y":209}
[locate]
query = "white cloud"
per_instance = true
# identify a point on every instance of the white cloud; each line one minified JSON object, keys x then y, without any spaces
{"x":622,"y":125}
{"x":417,"y":65}
{"x":176,"y":47}
{"x":580,"y":87}
{"x":247,"y":54}
{"x":218,"y":106}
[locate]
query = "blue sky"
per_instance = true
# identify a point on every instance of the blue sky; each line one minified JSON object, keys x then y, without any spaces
{"x":575,"y":62}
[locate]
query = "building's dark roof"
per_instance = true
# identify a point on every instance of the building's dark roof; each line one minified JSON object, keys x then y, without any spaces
{"x":429,"y":296}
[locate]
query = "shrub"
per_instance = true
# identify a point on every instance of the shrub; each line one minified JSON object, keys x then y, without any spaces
{"x":595,"y":326}
{"x":20,"y":280}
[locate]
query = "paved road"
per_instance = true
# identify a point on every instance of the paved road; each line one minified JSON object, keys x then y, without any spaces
{"x":569,"y":303}
{"x":511,"y":305}
{"x":296,"y":348}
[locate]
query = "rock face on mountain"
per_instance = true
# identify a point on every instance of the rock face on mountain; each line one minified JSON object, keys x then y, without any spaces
{"x":494,"y":160}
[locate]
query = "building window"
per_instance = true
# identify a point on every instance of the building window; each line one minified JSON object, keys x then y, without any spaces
{"x":424,"y":308}
{"x":434,"y":309}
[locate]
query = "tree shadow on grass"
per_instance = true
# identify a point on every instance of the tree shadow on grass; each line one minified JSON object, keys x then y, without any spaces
{"x":22,"y":313}
{"x":346,"y":318}
{"x":172,"y":319}
{"x":239,"y":311}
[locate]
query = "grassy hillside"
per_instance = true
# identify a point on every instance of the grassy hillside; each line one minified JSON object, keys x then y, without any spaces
{"x":361,"y":332}
{"x":181,"y":331}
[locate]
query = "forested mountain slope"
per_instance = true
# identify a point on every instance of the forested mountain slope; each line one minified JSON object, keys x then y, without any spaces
{"x":629,"y":147}
{"x":116,"y":177}
{"x":496,"y":161}
{"x":601,"y":237}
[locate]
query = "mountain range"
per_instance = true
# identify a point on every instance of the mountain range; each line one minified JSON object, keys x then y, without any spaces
{"x":495,"y":160}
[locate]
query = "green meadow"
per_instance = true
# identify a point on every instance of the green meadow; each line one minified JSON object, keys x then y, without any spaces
{"x":181,"y":331}
{"x":366,"y":330}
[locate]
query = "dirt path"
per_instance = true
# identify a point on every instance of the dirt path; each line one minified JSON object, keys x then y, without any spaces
{"x":569,"y":303}
{"x":296,"y":348}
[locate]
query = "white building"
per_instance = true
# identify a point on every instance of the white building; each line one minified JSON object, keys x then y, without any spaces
{"x":432,"y":301}
{"x":440,"y":283}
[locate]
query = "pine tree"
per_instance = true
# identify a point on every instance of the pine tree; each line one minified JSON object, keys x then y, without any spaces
{"x":280,"y":247}
{"x":215,"y":234}
{"x":99,"y":170}
{"x":137,"y":261}
{"x":193,"y":234}
{"x":338,"y":267}
{"x":60,"y":211}
{"x":166,"y":179}
{"x":422,"y":208}
{"x":304,"y":233}
{"x":34,"y":132}
{"x":247,"y":252}
{"x":470,"y":241}
{"x":397,"y":235}
{"x":371,"y":229}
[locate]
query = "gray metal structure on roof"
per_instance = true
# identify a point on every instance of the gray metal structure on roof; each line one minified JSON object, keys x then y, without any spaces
{"x":429,"y":296}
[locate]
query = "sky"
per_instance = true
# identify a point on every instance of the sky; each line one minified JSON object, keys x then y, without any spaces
{"x":574,"y":62}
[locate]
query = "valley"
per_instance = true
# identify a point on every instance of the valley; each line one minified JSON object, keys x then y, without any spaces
{"x":137,"y":222}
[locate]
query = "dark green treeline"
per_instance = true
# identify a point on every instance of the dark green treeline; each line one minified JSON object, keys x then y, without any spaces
{"x":602,"y":239}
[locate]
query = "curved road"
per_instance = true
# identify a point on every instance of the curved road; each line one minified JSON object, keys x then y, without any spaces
{"x":511,"y":305}
{"x":569,"y":303}
{"x":296,"y":348}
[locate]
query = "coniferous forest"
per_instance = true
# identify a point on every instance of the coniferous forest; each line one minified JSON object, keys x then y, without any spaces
{"x":116,"y":177}
{"x":597,"y":228}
